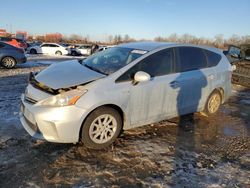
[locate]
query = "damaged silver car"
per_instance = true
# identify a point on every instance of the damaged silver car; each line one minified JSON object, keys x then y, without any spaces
{"x":121,"y":88}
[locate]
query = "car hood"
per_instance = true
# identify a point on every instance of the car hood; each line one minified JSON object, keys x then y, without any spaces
{"x":67,"y":74}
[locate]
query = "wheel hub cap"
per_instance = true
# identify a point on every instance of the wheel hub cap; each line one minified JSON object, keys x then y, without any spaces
{"x":103,"y":129}
{"x":8,"y":62}
{"x":214,"y":103}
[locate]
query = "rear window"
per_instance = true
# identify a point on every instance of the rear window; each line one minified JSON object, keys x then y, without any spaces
{"x":212,"y":58}
{"x":20,"y":40}
{"x":190,"y":58}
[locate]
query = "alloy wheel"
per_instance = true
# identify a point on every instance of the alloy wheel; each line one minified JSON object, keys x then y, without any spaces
{"x":214,"y":103}
{"x":103,"y":128}
{"x":8,"y":62}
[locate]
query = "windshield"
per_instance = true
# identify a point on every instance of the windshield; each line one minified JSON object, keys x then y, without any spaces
{"x":112,"y":59}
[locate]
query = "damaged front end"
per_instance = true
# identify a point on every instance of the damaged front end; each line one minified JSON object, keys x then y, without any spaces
{"x":41,"y":86}
{"x":49,"y":90}
{"x":40,"y":94}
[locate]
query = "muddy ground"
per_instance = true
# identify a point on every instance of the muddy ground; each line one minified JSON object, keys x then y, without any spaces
{"x":205,"y":152}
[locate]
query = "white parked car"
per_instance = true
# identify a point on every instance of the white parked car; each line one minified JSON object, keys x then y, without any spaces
{"x":49,"y":48}
{"x":84,"y":49}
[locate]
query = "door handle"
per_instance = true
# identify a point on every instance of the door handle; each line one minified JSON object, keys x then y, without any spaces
{"x":174,"y":84}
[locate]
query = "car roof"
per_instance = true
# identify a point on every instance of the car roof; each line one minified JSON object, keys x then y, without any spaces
{"x":149,"y":46}
{"x":50,"y":43}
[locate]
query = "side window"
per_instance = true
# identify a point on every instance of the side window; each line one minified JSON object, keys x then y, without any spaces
{"x":190,"y":58}
{"x":54,"y":46}
{"x":1,"y":45}
{"x":212,"y":58}
{"x":45,"y":45}
{"x":157,"y":64}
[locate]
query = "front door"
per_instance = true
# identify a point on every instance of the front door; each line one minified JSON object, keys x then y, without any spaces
{"x":152,"y":100}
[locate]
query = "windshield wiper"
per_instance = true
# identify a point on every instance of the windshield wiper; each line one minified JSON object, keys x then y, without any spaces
{"x":94,"y":69}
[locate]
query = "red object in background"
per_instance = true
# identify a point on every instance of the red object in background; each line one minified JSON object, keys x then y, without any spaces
{"x":21,"y":34}
{"x":14,"y":42}
{"x":22,"y":43}
{"x":3,"y":32}
{"x":53,"y":37}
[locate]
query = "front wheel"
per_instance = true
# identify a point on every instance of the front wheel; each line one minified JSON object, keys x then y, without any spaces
{"x":101,"y":128}
{"x":33,"y":51}
{"x":8,"y":62}
{"x":213,"y":103}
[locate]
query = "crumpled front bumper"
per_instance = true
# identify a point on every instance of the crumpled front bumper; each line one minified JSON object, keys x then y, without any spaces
{"x":54,"y":124}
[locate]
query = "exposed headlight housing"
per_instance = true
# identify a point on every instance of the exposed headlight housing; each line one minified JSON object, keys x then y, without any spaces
{"x":64,"y":99}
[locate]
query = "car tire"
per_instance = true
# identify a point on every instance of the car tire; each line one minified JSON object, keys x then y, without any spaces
{"x":74,"y":53}
{"x":8,"y":62}
{"x":101,"y":128}
{"x":213,"y":103}
{"x":33,"y":51}
{"x":58,"y":53}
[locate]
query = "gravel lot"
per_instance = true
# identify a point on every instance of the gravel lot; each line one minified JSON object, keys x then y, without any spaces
{"x":205,"y":152}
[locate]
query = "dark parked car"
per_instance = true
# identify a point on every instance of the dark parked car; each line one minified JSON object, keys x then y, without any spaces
{"x":10,"y":55}
{"x":240,"y":57}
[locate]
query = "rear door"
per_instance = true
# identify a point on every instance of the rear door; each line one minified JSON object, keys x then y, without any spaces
{"x":195,"y":80}
{"x":53,"y":48}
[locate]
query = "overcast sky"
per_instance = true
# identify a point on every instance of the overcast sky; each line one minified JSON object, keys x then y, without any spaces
{"x":137,"y":18}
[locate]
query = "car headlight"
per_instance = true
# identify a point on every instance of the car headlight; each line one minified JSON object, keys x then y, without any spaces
{"x":64,"y":99}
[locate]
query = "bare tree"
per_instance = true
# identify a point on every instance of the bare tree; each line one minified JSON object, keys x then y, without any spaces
{"x":173,"y":38}
{"x":110,"y":39}
{"x":219,"y":40}
{"x":126,"y":38}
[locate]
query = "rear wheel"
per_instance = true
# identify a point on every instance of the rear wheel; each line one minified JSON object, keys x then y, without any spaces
{"x":8,"y":62}
{"x":213,"y":103}
{"x":58,"y":53}
{"x":101,"y":128}
{"x":33,"y":51}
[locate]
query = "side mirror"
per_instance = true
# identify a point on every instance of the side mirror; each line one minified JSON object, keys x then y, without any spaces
{"x":141,"y":76}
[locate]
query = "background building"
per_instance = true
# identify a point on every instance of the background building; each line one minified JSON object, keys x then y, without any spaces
{"x":22,"y":35}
